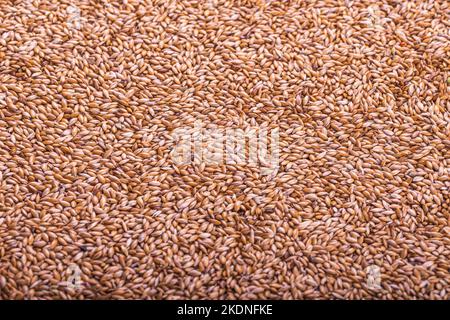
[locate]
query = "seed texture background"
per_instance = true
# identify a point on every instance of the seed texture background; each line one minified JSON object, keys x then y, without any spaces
{"x":90,"y":91}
